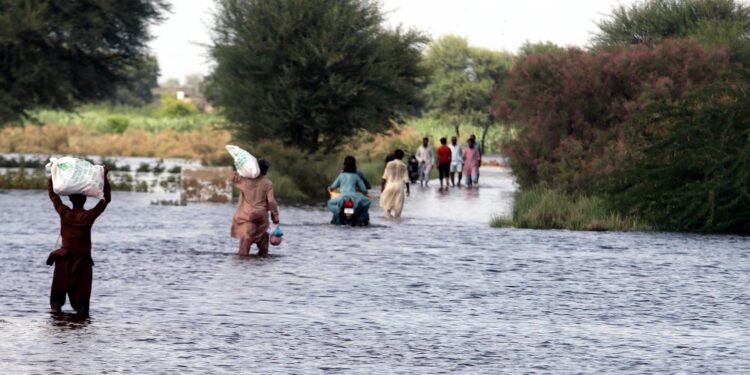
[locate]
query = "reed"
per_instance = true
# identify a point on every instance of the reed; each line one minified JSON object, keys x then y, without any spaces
{"x":544,"y":208}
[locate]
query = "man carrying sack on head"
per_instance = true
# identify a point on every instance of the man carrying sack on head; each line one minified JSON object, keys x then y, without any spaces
{"x":73,"y":263}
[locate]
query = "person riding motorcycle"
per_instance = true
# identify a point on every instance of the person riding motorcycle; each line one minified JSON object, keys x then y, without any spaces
{"x":348,"y":182}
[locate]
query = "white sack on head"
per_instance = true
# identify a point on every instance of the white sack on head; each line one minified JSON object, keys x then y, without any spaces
{"x":246,"y":164}
{"x":76,"y":176}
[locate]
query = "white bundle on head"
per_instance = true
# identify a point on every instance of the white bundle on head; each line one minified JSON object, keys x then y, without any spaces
{"x":76,"y":176}
{"x":246,"y":164}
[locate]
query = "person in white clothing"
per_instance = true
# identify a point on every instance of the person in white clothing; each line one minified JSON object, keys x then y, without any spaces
{"x":425,"y":158}
{"x":457,"y":161}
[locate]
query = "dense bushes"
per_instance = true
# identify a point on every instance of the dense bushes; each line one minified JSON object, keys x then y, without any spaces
{"x":173,"y":107}
{"x":643,"y":125}
{"x":572,"y":105}
{"x":694,"y":173}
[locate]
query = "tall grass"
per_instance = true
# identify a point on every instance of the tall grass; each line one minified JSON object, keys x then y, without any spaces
{"x":149,"y":118}
{"x":543,"y":208}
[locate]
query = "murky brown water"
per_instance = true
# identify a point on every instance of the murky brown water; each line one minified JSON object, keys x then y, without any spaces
{"x":437,"y":292}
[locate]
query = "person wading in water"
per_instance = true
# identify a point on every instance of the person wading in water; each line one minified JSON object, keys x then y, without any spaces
{"x":73,"y":264}
{"x":250,"y":221}
{"x":395,"y":180}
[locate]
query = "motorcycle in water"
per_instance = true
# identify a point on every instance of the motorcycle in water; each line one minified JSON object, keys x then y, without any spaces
{"x":349,"y":214}
{"x":412,"y":168}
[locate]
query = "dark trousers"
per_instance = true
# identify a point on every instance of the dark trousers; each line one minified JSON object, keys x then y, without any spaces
{"x":444,"y":170}
{"x":73,"y":275}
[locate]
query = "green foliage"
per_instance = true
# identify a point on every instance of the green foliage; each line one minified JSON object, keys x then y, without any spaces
{"x":529,"y":48}
{"x":542,"y":208}
{"x":373,"y":170}
{"x":312,"y":73}
{"x":651,"y":21}
{"x":136,"y":90}
{"x":57,"y":54}
{"x":173,"y":107}
{"x":694,"y":175}
{"x":117,"y":124}
{"x":304,"y":173}
{"x":285,"y":189}
{"x":149,"y":118}
{"x":571,"y":107}
{"x":461,"y":81}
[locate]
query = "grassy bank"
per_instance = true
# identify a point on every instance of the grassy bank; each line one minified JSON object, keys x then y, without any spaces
{"x":541,"y":208}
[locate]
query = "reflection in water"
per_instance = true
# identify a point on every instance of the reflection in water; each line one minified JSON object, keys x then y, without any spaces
{"x":69,"y":321}
{"x":435,"y":292}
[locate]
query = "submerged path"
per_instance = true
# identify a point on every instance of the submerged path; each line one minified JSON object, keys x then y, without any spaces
{"x":436,"y":292}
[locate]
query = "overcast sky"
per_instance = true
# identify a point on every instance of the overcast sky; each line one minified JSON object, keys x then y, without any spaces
{"x":180,"y":41}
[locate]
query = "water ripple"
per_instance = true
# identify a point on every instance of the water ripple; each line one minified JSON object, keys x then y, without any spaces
{"x":423,"y":295}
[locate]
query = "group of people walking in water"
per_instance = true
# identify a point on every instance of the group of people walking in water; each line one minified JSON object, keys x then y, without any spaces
{"x":452,"y":160}
{"x":250,"y":223}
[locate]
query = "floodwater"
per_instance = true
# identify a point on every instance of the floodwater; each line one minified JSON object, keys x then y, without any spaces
{"x":437,"y":292}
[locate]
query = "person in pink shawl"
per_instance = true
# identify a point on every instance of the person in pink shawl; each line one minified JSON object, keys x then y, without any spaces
{"x":471,"y":163}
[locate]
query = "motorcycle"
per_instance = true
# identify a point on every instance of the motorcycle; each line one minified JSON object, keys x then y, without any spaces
{"x":412,"y":168}
{"x":349,"y":214}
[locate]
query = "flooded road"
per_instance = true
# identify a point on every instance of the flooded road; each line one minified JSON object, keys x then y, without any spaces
{"x":436,"y":292}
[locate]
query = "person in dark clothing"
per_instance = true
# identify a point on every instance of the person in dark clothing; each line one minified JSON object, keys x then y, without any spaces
{"x":412,"y":167}
{"x":361,"y":175}
{"x":73,"y":263}
{"x":390,"y":157}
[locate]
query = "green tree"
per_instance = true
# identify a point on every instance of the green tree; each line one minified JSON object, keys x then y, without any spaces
{"x":529,"y":48}
{"x":142,"y":78}
{"x":311,"y":73}
{"x":653,"y":20}
{"x":56,"y":54}
{"x":462,"y":78}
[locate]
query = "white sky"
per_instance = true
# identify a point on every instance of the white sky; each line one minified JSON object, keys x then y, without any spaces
{"x":496,"y":24}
